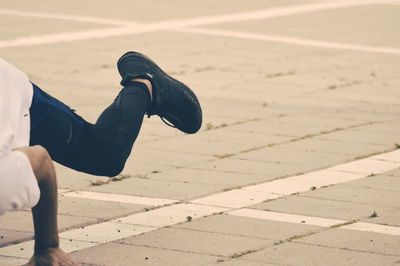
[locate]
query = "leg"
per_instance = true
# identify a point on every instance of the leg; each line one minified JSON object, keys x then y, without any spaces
{"x":44,"y":214}
{"x":101,"y":148}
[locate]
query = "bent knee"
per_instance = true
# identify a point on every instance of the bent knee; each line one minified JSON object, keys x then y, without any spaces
{"x":113,"y":167}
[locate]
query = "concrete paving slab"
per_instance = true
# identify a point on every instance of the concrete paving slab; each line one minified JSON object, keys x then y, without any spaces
{"x":374,"y":228}
{"x":269,"y":170}
{"x":329,"y":208}
{"x":105,"y":232}
{"x":120,"y":254}
{"x":353,"y":194}
{"x":146,"y":12}
{"x":22,"y":221}
{"x":236,"y":198}
{"x":25,"y":249}
{"x":95,"y":209}
{"x":355,"y":240}
{"x":37,"y":26}
{"x":309,"y":160}
{"x":363,"y":30}
{"x":305,"y":254}
{"x":167,"y":158}
{"x":318,"y":144}
{"x":8,"y":261}
{"x":239,"y":262}
{"x":137,"y":186}
{"x":363,"y":137}
{"x":366,"y":166}
{"x":8,"y":236}
{"x":245,"y":226}
{"x":197,"y":145}
{"x":383,"y":182}
{"x":170,"y":215}
{"x":198,"y":242}
{"x":202,"y":176}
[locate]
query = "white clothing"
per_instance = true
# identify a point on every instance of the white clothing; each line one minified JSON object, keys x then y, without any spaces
{"x":18,"y":185}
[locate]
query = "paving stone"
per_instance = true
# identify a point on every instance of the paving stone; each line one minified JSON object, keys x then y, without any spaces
{"x":174,"y":159}
{"x":309,"y":159}
{"x":329,"y":208}
{"x":381,"y":181}
{"x":95,"y":208}
{"x":8,"y":261}
{"x":10,"y":236}
{"x":158,"y":189}
{"x":391,"y":128}
{"x":241,"y":262}
{"x":198,"y":242}
{"x":202,"y":176}
{"x":318,"y":144}
{"x":355,"y":240}
{"x":250,"y":227}
{"x":196,"y":145}
{"x":269,"y":170}
{"x":366,"y":166}
{"x":22,"y":221}
{"x":369,"y":196}
{"x":119,"y":254}
{"x":338,"y":32}
{"x":363,"y":137}
{"x":305,"y":254}
{"x":38,"y":26}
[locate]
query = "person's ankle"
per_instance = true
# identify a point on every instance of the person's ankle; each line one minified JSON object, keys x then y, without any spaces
{"x":147,"y":83}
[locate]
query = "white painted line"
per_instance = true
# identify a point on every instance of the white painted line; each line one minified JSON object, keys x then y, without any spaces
{"x":87,"y":19}
{"x":105,"y":232}
{"x":62,"y":190}
{"x":305,"y":182}
{"x":237,"y":198}
{"x":119,"y":198}
{"x":68,"y":37}
{"x":243,"y":16}
{"x":286,"y":186}
{"x":127,"y":29}
{"x":284,"y":217}
{"x":292,"y":41}
{"x":366,"y":166}
{"x":393,"y":156}
{"x":317,"y":221}
{"x":170,"y":215}
{"x":327,"y":177}
{"x":375,"y":228}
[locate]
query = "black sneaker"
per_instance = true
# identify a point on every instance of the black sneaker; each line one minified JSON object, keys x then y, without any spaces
{"x":172,"y":100}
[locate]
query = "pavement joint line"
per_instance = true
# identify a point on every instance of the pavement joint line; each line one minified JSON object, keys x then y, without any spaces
{"x":292,"y":40}
{"x":127,"y":29}
{"x":225,"y":202}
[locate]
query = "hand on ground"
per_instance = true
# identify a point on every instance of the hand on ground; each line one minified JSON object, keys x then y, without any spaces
{"x":51,"y":257}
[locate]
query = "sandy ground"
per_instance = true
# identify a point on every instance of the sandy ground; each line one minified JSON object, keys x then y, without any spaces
{"x":296,"y":162}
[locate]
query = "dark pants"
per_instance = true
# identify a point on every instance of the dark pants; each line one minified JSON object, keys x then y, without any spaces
{"x":98,"y":149}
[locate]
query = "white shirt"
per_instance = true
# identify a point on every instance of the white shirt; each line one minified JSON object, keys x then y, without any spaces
{"x":18,"y":186}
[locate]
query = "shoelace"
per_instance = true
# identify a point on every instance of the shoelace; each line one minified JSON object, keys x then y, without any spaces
{"x":167,"y":122}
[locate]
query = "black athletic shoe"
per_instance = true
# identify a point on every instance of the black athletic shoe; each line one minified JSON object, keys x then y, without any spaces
{"x":172,"y":100}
